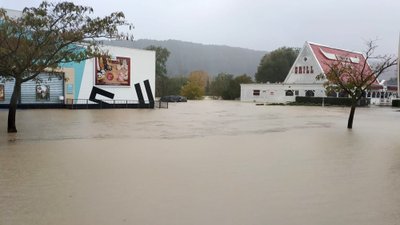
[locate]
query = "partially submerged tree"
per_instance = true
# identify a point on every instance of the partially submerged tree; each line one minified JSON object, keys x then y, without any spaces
{"x":227,"y":86}
{"x":192,"y":91}
{"x":43,"y":38}
{"x":196,"y":86}
{"x":355,"y":76}
{"x":220,"y":84}
{"x":175,"y":85}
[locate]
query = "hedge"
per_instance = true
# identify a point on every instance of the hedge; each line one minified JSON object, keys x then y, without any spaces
{"x":328,"y":101}
{"x":396,"y":102}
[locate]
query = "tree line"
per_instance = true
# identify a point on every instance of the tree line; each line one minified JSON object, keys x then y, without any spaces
{"x":199,"y":83}
{"x":273,"y":67}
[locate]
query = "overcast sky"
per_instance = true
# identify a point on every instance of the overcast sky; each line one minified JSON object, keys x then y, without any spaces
{"x":257,"y":24}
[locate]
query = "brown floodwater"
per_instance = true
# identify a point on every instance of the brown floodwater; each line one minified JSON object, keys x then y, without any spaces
{"x":201,"y":162}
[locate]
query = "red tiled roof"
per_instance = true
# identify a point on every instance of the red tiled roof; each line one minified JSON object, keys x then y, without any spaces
{"x":376,"y":87}
{"x":380,"y":87}
{"x":327,"y":56}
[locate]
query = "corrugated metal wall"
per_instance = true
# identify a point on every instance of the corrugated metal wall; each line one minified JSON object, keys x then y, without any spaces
{"x":28,"y":90}
{"x":8,"y":89}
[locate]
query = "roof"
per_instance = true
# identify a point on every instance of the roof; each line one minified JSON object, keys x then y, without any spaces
{"x":13,"y":13}
{"x":380,"y":87}
{"x":326,"y":56}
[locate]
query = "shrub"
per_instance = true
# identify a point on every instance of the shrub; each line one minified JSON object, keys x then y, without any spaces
{"x":328,"y":101}
{"x":396,"y":102}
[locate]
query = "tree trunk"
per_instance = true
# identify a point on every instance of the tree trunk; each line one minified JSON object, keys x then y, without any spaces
{"x":12,"y":110}
{"x":351,"y":116}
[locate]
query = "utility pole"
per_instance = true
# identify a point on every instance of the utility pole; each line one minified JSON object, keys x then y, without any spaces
{"x":398,"y":71}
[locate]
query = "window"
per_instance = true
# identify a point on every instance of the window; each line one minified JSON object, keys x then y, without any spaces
{"x":364,"y":94}
{"x":296,"y":92}
{"x":373,"y":95}
{"x":332,"y":94}
{"x":343,"y":94}
{"x":289,"y":93}
{"x":300,"y":70}
{"x":369,"y":95}
{"x":378,"y":94}
{"x":256,"y":92}
{"x":309,"y":93}
{"x":311,"y":69}
{"x":295,"y":70}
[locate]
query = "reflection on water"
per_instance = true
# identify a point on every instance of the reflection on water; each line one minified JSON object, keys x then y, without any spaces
{"x":207,"y":162}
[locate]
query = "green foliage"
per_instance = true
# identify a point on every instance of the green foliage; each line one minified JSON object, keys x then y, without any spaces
{"x":274,"y":66}
{"x":175,"y":85}
{"x":161,"y":85}
{"x":328,"y":101}
{"x":242,"y":79}
{"x":200,"y":77}
{"x":162,"y":55}
{"x":227,"y":86}
{"x":196,"y":85}
{"x":192,"y":90}
{"x":220,"y":85}
{"x":396,"y":102}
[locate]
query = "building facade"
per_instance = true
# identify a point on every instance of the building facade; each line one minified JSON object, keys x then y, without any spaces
{"x":127,"y":77}
{"x":303,"y":78}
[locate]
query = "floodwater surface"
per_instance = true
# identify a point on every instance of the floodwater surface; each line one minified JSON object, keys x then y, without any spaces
{"x":201,"y":162}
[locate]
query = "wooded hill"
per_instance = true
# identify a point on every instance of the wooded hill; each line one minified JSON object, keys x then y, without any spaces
{"x":186,"y":57}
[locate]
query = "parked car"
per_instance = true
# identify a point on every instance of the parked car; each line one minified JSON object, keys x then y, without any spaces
{"x":173,"y":98}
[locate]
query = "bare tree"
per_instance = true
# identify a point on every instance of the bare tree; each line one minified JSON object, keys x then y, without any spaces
{"x":355,"y":77}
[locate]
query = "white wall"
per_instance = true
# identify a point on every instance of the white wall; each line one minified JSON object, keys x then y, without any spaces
{"x":276,"y":93}
{"x":271,"y":93}
{"x":305,"y":58}
{"x":142,"y":68}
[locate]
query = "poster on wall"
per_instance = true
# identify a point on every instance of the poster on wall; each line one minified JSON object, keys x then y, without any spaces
{"x":70,"y":89}
{"x":113,"y":72}
{"x":2,"y":94}
{"x":42,"y":92}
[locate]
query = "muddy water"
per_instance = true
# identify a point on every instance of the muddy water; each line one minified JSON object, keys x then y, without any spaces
{"x":206,"y":162}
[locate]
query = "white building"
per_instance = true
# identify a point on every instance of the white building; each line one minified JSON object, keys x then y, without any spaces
{"x":312,"y":61}
{"x":127,"y":78}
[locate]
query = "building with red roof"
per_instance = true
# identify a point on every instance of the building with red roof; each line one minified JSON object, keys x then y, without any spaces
{"x":304,"y":77}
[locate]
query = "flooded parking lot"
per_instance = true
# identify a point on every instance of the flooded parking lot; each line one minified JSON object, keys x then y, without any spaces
{"x":201,"y":162}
